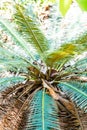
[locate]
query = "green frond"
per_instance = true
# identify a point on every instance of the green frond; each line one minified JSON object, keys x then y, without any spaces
{"x":30,"y":31}
{"x":67,"y":50}
{"x":10,"y":60}
{"x":79,"y":68}
{"x":43,"y":113}
{"x":77,"y":91}
{"x":10,"y":64}
{"x":8,"y":28}
{"x":8,"y":81}
{"x":81,"y":64}
{"x":7,"y":52}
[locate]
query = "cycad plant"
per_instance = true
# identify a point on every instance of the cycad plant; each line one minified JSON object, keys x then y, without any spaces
{"x":51,"y":94}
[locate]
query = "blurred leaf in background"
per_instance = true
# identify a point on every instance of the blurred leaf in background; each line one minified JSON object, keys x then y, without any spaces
{"x":82,"y":4}
{"x":64,"y":6}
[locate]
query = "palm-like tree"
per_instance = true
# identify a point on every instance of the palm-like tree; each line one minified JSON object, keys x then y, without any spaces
{"x":51,"y":93}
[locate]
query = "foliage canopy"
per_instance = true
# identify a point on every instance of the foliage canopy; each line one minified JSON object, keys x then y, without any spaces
{"x":50,"y":91}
